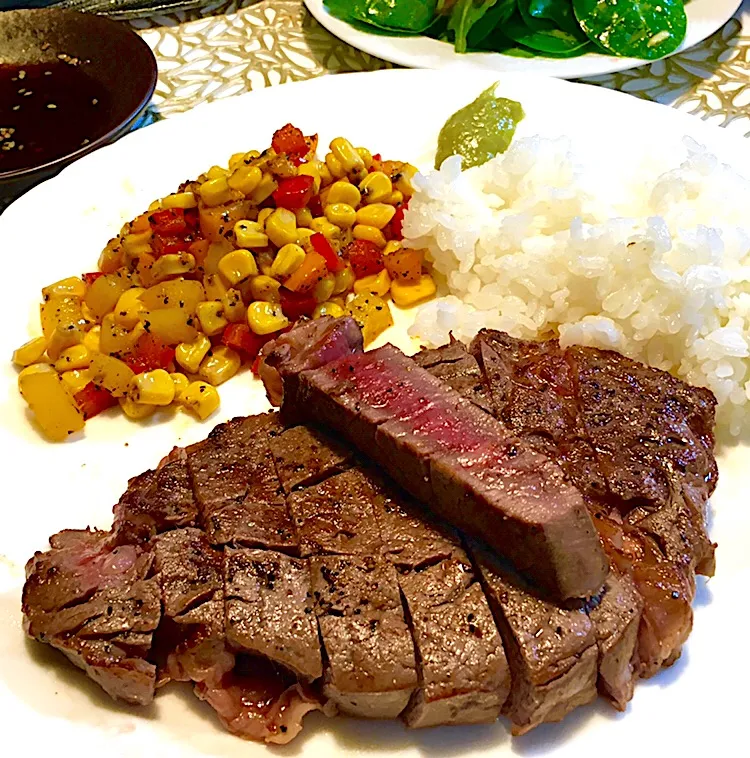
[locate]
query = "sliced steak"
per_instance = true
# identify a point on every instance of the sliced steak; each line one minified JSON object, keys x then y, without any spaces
{"x":269,"y":609}
{"x":305,"y":456}
{"x":155,"y":502}
{"x":464,"y":464}
{"x":616,"y":616}
{"x":371,"y":668}
{"x":337,"y":516}
{"x":454,"y":365}
{"x":552,"y":651}
{"x":240,"y":497}
{"x":93,"y":602}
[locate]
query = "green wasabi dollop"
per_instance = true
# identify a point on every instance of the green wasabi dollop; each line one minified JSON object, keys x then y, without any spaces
{"x":480,"y":131}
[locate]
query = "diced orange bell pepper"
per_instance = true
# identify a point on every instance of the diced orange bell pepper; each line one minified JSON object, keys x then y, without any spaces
{"x":310,"y":272}
{"x":405,"y":266}
{"x":199,"y":251}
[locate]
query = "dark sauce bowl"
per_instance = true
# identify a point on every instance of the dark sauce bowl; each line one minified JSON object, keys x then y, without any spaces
{"x":69,"y":83}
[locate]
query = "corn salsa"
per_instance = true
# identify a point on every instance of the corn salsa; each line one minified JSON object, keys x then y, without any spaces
{"x":191,"y":290}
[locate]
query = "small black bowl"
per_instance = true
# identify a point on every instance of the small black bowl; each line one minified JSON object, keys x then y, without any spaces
{"x":110,"y":61}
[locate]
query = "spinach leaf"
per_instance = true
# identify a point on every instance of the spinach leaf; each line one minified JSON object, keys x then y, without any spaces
{"x":497,"y":15}
{"x":409,"y":16}
{"x":464,"y":15}
{"x":559,"y":12}
{"x":646,"y":29}
{"x":545,"y":38}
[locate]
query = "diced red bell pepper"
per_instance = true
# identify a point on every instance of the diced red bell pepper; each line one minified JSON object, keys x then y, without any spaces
{"x":169,"y":222}
{"x":255,"y":368}
{"x":241,"y":338}
{"x":169,"y":245}
{"x":397,"y":222}
{"x":325,"y":249}
{"x":92,"y":400}
{"x":90,"y":278}
{"x":315,"y":206}
{"x":366,"y":258}
{"x":149,"y":353}
{"x":289,"y":140}
{"x":296,"y":304}
{"x":294,"y":193}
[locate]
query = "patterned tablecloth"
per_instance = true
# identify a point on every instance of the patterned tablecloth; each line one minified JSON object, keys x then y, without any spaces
{"x":231,"y":47}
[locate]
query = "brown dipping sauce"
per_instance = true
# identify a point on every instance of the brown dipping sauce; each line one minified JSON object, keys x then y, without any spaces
{"x":48,"y":110}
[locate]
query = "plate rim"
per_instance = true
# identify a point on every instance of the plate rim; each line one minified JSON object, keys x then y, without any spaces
{"x":369,"y":43}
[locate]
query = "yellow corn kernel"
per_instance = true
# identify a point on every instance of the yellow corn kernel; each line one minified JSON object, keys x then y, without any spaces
{"x":183,"y":200}
{"x":325,"y":227}
{"x":343,"y":280}
{"x":266,"y":318}
{"x":72,"y":358}
{"x":152,"y":388}
{"x":343,"y":192}
{"x":264,"y":190}
{"x":137,"y":244}
{"x":220,"y":364}
{"x":111,"y":373}
{"x":335,"y":169}
{"x":263,"y":217}
{"x":369,"y":233}
{"x":236,"y":160}
{"x":304,"y":217}
{"x":180,"y":382}
{"x":189,"y":355}
{"x":303,"y":235}
{"x":172,"y":264}
{"x":92,"y":339}
{"x":234,"y":308}
{"x":72,"y":286}
{"x":237,"y":266}
{"x":211,"y":317}
{"x":378,"y":215}
{"x":76,"y":379}
{"x":281,"y":227}
{"x":245,"y":179}
{"x":395,"y":198}
{"x":215,"y":191}
{"x":62,"y":338}
{"x":154,"y":206}
{"x":326,"y":177}
{"x":287,"y":260}
{"x":375,"y":284}
{"x":200,"y":398}
{"x":324,"y":288}
{"x":30,"y":352}
{"x":50,"y":400}
{"x":372,"y":314}
{"x":349,"y":158}
{"x":311,"y":169}
{"x":392,"y":247}
{"x":329,"y":308}
{"x":216,"y":172}
{"x":265,"y":288}
{"x":214,"y":286}
{"x":130,"y":308}
{"x":403,"y":183}
{"x":405,"y":295}
{"x":376,"y":187}
{"x":135,"y":410}
{"x":249,"y":234}
{"x":366,"y":156}
{"x":341,"y":214}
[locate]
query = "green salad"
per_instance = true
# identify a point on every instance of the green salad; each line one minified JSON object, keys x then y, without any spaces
{"x":646,"y":29}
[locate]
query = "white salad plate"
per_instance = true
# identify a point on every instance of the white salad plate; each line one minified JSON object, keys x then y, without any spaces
{"x":58,"y":229}
{"x":704,"y":18}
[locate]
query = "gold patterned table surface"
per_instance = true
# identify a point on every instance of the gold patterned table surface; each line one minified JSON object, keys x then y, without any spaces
{"x":234,"y":46}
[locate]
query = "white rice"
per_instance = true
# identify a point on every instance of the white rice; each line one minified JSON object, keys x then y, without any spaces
{"x":536,"y":244}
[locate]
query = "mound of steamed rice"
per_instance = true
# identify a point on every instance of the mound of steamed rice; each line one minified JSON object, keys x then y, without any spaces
{"x":534,"y":244}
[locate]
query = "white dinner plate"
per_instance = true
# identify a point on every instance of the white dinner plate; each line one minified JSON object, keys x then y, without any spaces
{"x":48,"y":707}
{"x":704,"y":18}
